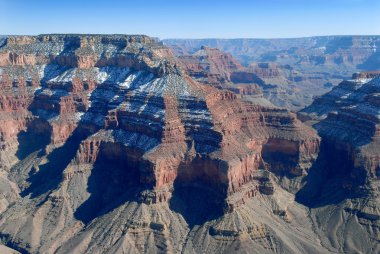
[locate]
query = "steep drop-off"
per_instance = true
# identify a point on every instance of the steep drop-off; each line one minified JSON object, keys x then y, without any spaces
{"x":297,"y":69}
{"x":345,"y":191}
{"x":109,"y":146}
{"x":213,"y":67}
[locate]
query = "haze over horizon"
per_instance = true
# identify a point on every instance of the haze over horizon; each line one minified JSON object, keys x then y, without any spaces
{"x":236,"y":127}
{"x":193,"y":19}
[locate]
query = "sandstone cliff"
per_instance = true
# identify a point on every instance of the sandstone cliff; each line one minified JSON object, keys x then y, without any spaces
{"x":213,"y":67}
{"x":297,"y":69}
{"x":107,"y":145}
{"x":344,"y":193}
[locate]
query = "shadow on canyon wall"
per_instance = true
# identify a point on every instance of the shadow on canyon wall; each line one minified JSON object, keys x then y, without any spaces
{"x":329,"y":180}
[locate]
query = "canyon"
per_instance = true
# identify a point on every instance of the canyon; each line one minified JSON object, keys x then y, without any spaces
{"x":295,"y":70}
{"x":121,"y":144}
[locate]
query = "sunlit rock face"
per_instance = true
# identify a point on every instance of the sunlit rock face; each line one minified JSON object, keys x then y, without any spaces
{"x":294,"y":69}
{"x":108,"y":145}
{"x":219,"y":69}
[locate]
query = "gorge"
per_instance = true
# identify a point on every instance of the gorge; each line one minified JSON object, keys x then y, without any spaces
{"x":121,"y":144}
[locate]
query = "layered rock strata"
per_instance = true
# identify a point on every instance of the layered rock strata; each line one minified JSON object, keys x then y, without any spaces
{"x":348,"y":120}
{"x":216,"y":68}
{"x":297,"y":69}
{"x":109,"y":134}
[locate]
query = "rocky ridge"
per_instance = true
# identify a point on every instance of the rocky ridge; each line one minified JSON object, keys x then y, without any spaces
{"x":325,"y":50}
{"x":108,"y":145}
{"x":214,"y":67}
{"x":345,"y":190}
{"x":219,"y":69}
{"x":301,"y":67}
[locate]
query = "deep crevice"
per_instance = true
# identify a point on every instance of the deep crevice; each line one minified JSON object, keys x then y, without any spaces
{"x":114,"y":180}
{"x":200,"y":191}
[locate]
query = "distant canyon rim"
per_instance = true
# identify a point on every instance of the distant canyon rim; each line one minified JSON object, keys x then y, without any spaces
{"x":129,"y":144}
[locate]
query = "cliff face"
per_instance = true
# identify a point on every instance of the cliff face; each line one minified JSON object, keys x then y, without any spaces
{"x":108,"y":145}
{"x":267,"y":71}
{"x":213,"y":67}
{"x":97,"y":129}
{"x":347,"y":119}
{"x":325,"y":50}
{"x":297,"y":69}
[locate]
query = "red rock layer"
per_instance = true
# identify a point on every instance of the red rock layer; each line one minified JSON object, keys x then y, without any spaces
{"x":350,"y":125}
{"x":365,"y":75}
{"x":174,"y":131}
{"x":214,"y":67}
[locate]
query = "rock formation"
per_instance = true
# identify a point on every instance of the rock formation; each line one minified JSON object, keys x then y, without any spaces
{"x":109,"y":146}
{"x":214,"y":67}
{"x":345,"y":192}
{"x":219,"y":69}
{"x":271,"y":73}
{"x":295,"y":69}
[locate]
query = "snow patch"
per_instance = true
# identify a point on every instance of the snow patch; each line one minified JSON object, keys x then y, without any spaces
{"x":65,"y":77}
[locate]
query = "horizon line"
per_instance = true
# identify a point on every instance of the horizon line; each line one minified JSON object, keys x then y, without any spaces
{"x":203,"y":38}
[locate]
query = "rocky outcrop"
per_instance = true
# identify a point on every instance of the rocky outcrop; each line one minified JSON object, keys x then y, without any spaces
{"x":267,"y":71}
{"x":348,"y":93}
{"x":365,"y":75}
{"x":214,"y":67}
{"x":325,"y":50}
{"x":209,"y":65}
{"x":93,"y":125}
{"x":110,"y":146}
{"x":295,"y":69}
{"x":347,"y":119}
{"x":358,"y":115}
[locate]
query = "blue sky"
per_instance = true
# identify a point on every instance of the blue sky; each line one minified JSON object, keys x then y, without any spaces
{"x":192,"y":18}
